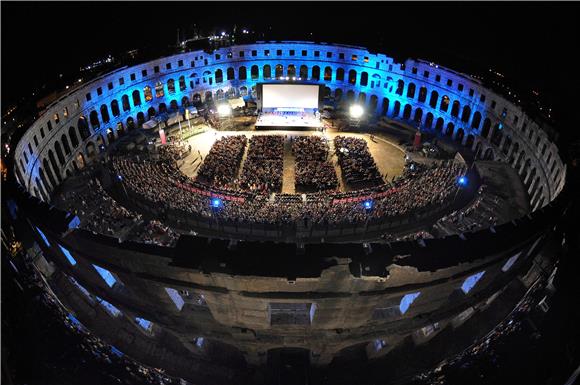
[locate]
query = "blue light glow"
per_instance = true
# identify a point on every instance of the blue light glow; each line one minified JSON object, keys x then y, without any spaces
{"x":407,"y":300}
{"x":68,"y":255}
{"x":74,"y":223}
{"x":216,"y":203}
{"x":116,"y":351}
{"x":199,"y":342}
{"x":43,"y":237}
{"x":147,"y":325}
{"x":106,"y":275}
{"x":368,"y":204}
{"x":109,"y":307}
{"x":175,"y":297}
{"x":470,"y":282}
{"x":120,"y":177}
{"x":462,"y":181}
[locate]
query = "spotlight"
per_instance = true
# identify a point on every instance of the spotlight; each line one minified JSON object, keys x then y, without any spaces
{"x":462,"y":181}
{"x":224,"y":110}
{"x":216,"y":203}
{"x":119,"y":177}
{"x":356,"y":111}
{"x":368,"y":204}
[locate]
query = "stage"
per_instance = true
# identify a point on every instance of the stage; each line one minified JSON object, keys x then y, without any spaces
{"x":289,"y":119}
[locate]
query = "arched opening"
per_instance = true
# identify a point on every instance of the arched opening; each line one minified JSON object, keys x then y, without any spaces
{"x":59,"y":153}
{"x":243,"y":91}
{"x":279,"y":71}
{"x":327,"y":74}
{"x":411,"y":90}
{"x":162,"y":108}
{"x":94,"y":119}
{"x":171,"y":86}
{"x":48,"y":172}
{"x":104,"y":114}
{"x":407,"y":111}
{"x":352,"y":77}
{"x":469,"y":141}
{"x":488,"y":154}
{"x":101,"y":143}
{"x":455,"y":109}
{"x":182,"y":85}
{"x":110,"y":135}
{"x":433,"y":99}
{"x":428,"y":120}
{"x":478,"y":150}
{"x":476,"y":120}
{"x":374,"y":102}
{"x":55,"y":167}
{"x":291,"y":71}
{"x":486,"y":128}
{"x":219,"y":94}
{"x":364,"y":78}
{"x":362,"y":98}
{"x":136,"y":98}
{"x":459,"y":135}
{"x":327,"y":92}
{"x":83,"y":127}
{"x":90,"y":150}
{"x":514,"y":151}
{"x":439,"y":125}
{"x":400,"y":87}
{"x":338,"y":94}
{"x":397,"y":109}
{"x":422,"y":94}
{"x":497,"y":135}
{"x":418,"y":116}
{"x":316,"y":73}
{"x":80,"y":162}
{"x":385,"y":107}
{"x":506,"y":144}
{"x":196,"y":99}
{"x":242,"y":73}
{"x":151,"y":112}
{"x":120,"y":129}
{"x":130,"y":124}
{"x":159,"y":91}
{"x":65,"y":144}
{"x":147,"y":93}
{"x":73,"y":137}
{"x":230,"y":73}
{"x":350,"y":96}
{"x":444,"y":103}
{"x":466,"y":114}
{"x":449,"y":130}
{"x":219,"y":76}
{"x":185,"y":101}
{"x":125,"y":103}
{"x":208,"y":97}
{"x":173,"y":106}
{"x":340,"y":74}
{"x":254,"y":72}
{"x":520,"y":158}
{"x":140,"y":118}
{"x":303,"y":72}
{"x":115,"y":108}
{"x":266,"y":71}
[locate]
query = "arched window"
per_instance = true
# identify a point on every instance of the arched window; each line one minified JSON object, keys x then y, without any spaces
{"x":65,"y":144}
{"x":104,"y":114}
{"x":94,"y":118}
{"x":159,"y":92}
{"x":374,"y":103}
{"x":362,"y":98}
{"x":171,"y":86}
{"x":219,"y":94}
{"x":279,"y":71}
{"x":162,"y":108}
{"x":125,"y":103}
{"x":486,"y":128}
{"x":455,"y":109}
{"x":115,"y":108}
{"x":140,"y":118}
{"x":428,"y":120}
{"x":385,"y":107}
{"x":266,"y":71}
{"x":407,"y":112}
{"x":73,"y":137}
{"x":54,"y":165}
{"x":316,"y":73}
{"x":422,"y":94}
{"x":418,"y":116}
{"x":364,"y":78}
{"x":327,"y":74}
{"x":242,"y":73}
{"x":291,"y":71}
{"x":411,"y":90}
{"x":337,"y":94}
{"x":352,"y":77}
{"x":59,"y":154}
{"x":254,"y":72}
{"x":444,"y":103}
{"x":48,"y":172}
{"x":466,"y":114}
{"x":151,"y":112}
{"x":230,"y":73}
{"x":476,"y":120}
{"x":136,"y":98}
{"x":400,"y":87}
{"x":340,"y":74}
{"x":173,"y":105}
{"x":219,"y":76}
{"x":303,"y":72}
{"x":182,"y":85}
{"x":147,"y":93}
{"x":433,"y":100}
{"x":397,"y":109}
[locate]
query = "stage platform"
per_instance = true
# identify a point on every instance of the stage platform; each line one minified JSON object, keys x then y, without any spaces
{"x":286,"y":120}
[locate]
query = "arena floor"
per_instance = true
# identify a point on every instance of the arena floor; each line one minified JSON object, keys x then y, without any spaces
{"x":388,"y":156}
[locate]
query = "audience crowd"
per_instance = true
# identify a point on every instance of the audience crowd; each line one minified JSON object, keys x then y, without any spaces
{"x":221,"y":165}
{"x":313,"y":171}
{"x":263,"y":168}
{"x":356,"y":162}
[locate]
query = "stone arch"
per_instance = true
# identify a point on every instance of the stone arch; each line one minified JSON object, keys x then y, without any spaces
{"x":171,"y":86}
{"x":242,"y":73}
{"x":254,"y":72}
{"x":478,"y":150}
{"x":219,"y":75}
{"x":73,"y":136}
{"x":397,"y":109}
{"x":140,"y":118}
{"x":466,"y":114}
{"x":433,"y":99}
{"x":279,"y":71}
{"x":411,"y":90}
{"x":455,"y":108}
{"x":303,"y":72}
{"x":147,"y":93}
{"x":488,"y":155}
{"x":173,"y":106}
{"x":459,"y":135}
{"x":151,"y":112}
{"x":407,"y":111}
{"x":428,"y":120}
{"x":291,"y":71}
{"x":418,"y":116}
{"x":316,"y":73}
{"x":338,"y":94}
{"x":444,"y":106}
{"x":497,"y":135}
{"x":120,"y":129}
{"x":352,"y":77}
{"x":94,"y":119}
{"x":373,"y":103}
{"x":439,"y":125}
{"x":486,"y":128}
{"x":80,"y":161}
{"x":182,"y":85}
{"x":136,"y":98}
{"x":90,"y":150}
{"x":327,"y":74}
{"x":340,"y":74}
{"x":48,"y":172}
{"x":115,"y":108}
{"x":449,"y":129}
{"x":476,"y":120}
{"x":350,"y":96}
{"x":83,"y":127}
{"x":230,"y":73}
{"x":362,"y":98}
{"x":104,"y":114}
{"x":364,"y":78}
{"x":184,"y":101}
{"x":162,"y":108}
{"x":385,"y":106}
{"x":469,"y":141}
{"x":59,"y":153}
{"x":65,"y":144}
{"x":125,"y":103}
{"x":130,"y":123}
{"x":110,"y":135}
{"x":400,"y":87}
{"x":219,"y":94}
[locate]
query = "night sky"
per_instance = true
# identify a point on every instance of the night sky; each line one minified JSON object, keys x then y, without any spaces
{"x":533,"y":44}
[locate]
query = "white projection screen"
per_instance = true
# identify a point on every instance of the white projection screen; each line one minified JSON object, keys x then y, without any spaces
{"x":290,"y":95}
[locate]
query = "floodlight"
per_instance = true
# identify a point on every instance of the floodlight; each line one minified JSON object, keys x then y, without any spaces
{"x":224,"y":110}
{"x":216,"y":203}
{"x":356,"y":111}
{"x":462,"y":181}
{"x":368,"y":204}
